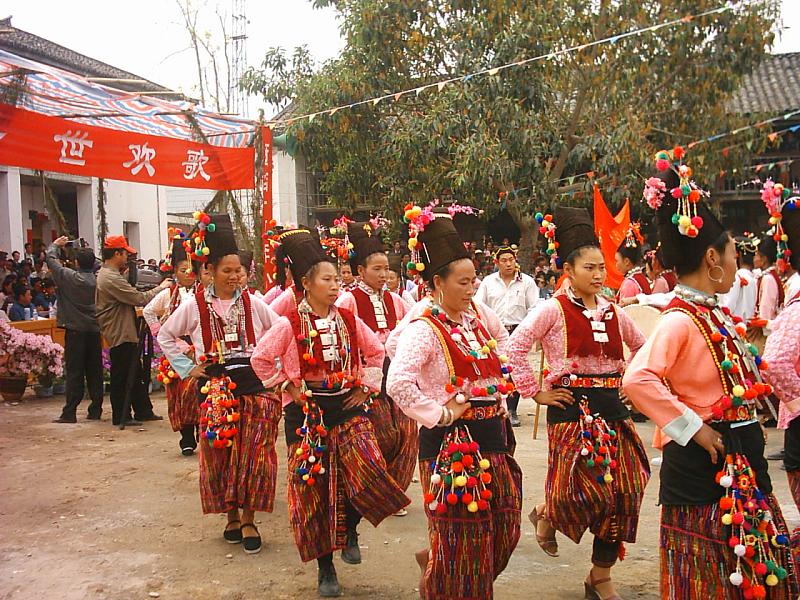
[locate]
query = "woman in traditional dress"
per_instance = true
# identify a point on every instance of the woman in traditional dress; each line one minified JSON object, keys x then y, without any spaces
{"x":182,"y":405}
{"x":597,"y":467}
{"x":663,"y":278}
{"x":782,"y":351}
{"x":239,"y":417}
{"x":330,"y":364}
{"x":448,"y":375}
{"x":722,"y":532}
{"x":628,"y":262}
{"x":381,"y":310}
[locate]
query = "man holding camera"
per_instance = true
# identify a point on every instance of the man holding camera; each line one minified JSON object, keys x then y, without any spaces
{"x":82,"y":344}
{"x":116,"y":301}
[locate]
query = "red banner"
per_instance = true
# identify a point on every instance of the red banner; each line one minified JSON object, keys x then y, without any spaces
{"x":266,"y":207}
{"x":36,"y":141}
{"x":610,"y":230}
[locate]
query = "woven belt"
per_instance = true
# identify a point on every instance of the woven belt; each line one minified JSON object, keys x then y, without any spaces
{"x":592,"y":382}
{"x":480,"y":413}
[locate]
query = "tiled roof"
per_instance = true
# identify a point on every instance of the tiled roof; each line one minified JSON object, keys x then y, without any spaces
{"x":36,"y":48}
{"x":773,"y":87}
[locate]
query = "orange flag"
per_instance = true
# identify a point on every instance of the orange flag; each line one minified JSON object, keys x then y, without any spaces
{"x":610,"y":230}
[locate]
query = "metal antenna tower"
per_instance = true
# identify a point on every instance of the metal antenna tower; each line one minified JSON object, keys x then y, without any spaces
{"x":238,"y":47}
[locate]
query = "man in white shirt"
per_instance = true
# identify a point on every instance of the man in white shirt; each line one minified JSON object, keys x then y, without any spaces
{"x":511,"y":295}
{"x":741,"y":299}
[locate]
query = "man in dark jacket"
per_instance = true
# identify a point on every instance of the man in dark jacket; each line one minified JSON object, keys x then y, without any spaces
{"x":83,"y":346}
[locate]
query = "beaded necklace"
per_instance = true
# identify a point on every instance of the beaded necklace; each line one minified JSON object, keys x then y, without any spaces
{"x":738,"y":362}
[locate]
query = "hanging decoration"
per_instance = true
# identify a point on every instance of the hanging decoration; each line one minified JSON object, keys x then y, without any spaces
{"x":776,"y":199}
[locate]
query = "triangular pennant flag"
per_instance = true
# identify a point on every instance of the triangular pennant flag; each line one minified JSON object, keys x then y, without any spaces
{"x":771,"y":166}
{"x":725,"y":151}
{"x":397,"y":96}
{"x":749,"y":145}
{"x":571,"y":180}
{"x":441,"y":85}
{"x":758,"y":168}
{"x":419,"y":90}
{"x":334,"y":111}
{"x":312,"y":117}
{"x":494,"y":71}
{"x":691,"y":145}
{"x":375,"y":101}
{"x":772,"y":137}
{"x":271,"y":126}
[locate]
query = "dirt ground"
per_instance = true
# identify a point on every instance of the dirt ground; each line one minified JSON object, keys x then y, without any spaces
{"x":90,"y":512}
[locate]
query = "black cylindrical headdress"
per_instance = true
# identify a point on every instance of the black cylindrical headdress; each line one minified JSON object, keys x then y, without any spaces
{"x":439,"y":244}
{"x":365,"y":241}
{"x":573,"y":230}
{"x":299,"y":250}
{"x":178,"y":252}
{"x":219,"y":237}
{"x":246,"y":258}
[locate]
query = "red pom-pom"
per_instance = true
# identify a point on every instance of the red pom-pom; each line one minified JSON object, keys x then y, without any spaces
{"x":449,"y":388}
{"x":662,"y":164}
{"x":726,"y":503}
{"x":467,"y":461}
{"x":472,"y":481}
{"x":441,"y":508}
{"x":452,"y":499}
{"x":486,"y":478}
{"x":457,"y":467}
{"x":697,"y":221}
{"x":760,"y":569}
{"x":483,"y":505}
{"x":473,"y":447}
{"x":759,"y":592}
{"x":231,"y":385}
{"x":466,"y":498}
{"x":676,"y":192}
{"x":463,"y":447}
{"x":428,"y":497}
{"x":738,"y":518}
{"x":678,"y":152}
{"x":733,"y":541}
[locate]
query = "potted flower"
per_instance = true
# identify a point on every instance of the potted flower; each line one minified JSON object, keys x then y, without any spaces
{"x":23,"y":354}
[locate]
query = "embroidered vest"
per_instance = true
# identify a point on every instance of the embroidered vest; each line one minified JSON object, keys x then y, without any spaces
{"x":584,"y":335}
{"x":206,"y":316}
{"x":671,"y":279}
{"x":322,"y":365}
{"x":746,"y":360}
{"x":460,"y":364}
{"x":368,"y":312}
{"x":781,"y":292}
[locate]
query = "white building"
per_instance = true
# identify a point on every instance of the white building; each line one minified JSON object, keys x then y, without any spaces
{"x":136,"y":210}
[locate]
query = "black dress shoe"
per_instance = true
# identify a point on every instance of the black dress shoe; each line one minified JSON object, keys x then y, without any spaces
{"x":150,"y":417}
{"x":65,"y":420}
{"x":251,"y":543}
{"x":130,"y":423}
{"x":351,"y":553}
{"x":779,"y":455}
{"x":327,"y":582}
{"x":92,"y":417}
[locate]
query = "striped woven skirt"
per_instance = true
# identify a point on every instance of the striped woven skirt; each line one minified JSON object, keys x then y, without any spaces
{"x":469,"y":550}
{"x":183,"y":406}
{"x":354,"y":472}
{"x":243,"y":475}
{"x":398,"y":439}
{"x":696,"y":560}
{"x":576,"y":501}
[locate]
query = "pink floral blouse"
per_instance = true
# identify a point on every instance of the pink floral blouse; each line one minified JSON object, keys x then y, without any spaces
{"x":418,"y":372}
{"x":276,"y":358}
{"x":545,"y":324}
{"x":782,"y":354}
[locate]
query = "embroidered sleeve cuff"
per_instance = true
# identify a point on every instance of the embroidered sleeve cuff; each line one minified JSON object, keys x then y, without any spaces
{"x":682,"y":429}
{"x":182,"y":364}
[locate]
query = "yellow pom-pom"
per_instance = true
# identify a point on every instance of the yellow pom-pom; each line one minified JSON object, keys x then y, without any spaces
{"x":771,"y":580}
{"x":784,"y":238}
{"x":171,"y":374}
{"x":230,"y":418}
{"x":727,"y":519}
{"x":305,"y":477}
{"x":503,"y":358}
{"x":204,"y":389}
{"x":738,"y":391}
{"x":484,"y":464}
{"x":206,"y":251}
{"x":551,"y":246}
{"x":486,"y":349}
{"x":420,"y":266}
{"x":473,"y":507}
{"x":298,"y":452}
{"x":408,"y":214}
{"x":608,"y":478}
{"x":684,"y":221}
{"x":313,"y":333}
{"x":492,"y":344}
{"x":349,"y":246}
{"x":773,"y":220}
{"x":196,"y":215}
{"x":412,"y":243}
{"x":460,"y":481}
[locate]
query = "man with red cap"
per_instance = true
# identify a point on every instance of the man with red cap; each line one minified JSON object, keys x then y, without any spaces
{"x":116,"y":301}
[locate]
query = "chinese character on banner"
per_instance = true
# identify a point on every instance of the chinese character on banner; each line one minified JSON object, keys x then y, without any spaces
{"x":142,"y":155}
{"x":193,"y":165}
{"x":72,"y":146}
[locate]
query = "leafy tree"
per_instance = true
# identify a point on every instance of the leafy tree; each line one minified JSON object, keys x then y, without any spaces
{"x":524,"y":137}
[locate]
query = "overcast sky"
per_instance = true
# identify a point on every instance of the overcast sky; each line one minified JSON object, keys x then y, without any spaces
{"x":146,"y":37}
